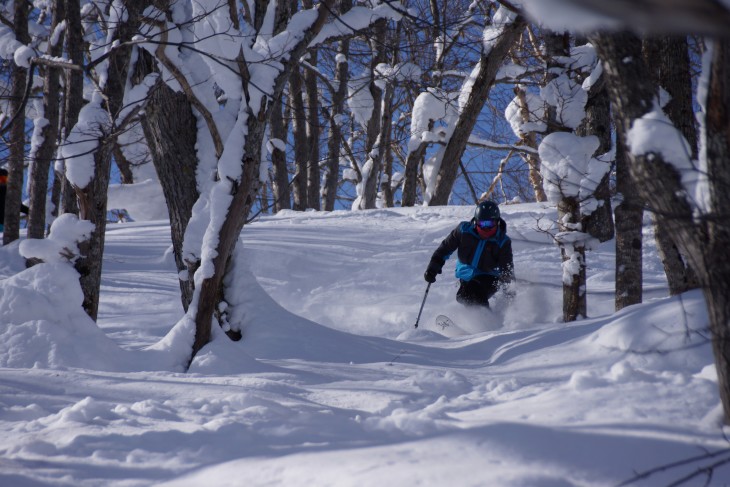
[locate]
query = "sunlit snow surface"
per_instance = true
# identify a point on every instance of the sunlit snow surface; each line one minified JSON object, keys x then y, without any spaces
{"x":333,"y":385}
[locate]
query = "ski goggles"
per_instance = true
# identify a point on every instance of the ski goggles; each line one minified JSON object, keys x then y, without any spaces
{"x":487,"y":223}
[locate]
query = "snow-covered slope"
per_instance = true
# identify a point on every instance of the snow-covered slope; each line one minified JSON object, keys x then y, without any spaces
{"x":332,"y":385}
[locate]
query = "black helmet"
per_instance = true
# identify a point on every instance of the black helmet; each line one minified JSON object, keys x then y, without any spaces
{"x":486,"y":210}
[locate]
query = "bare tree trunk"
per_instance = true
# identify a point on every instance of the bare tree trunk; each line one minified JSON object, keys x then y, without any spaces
{"x":410,"y":177}
{"x":599,"y":224}
{"x":73,"y":95}
{"x":282,"y":193}
{"x":170,"y":129}
{"x":716,"y":278}
{"x":575,"y":305}
{"x":93,"y":197}
{"x":672,"y":73}
{"x":529,"y":139}
{"x":374,"y":142}
{"x":704,"y":241}
{"x":334,"y":143}
{"x":300,"y":140}
{"x":629,"y":227}
{"x":44,"y":154}
{"x":16,"y":157}
{"x":313,"y":130}
{"x":489,"y":65}
{"x":125,"y":168}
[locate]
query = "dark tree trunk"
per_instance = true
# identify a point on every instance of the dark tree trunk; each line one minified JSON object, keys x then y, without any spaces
{"x":629,"y":213}
{"x":73,"y":95}
{"x":575,"y":304}
{"x":490,"y":64}
{"x":410,"y":177}
{"x":282,"y":193}
{"x":629,"y":228}
{"x":45,"y":153}
{"x":92,"y":198}
{"x":301,"y":153}
{"x":125,"y":168}
{"x":16,"y":155}
{"x":170,"y":129}
{"x":599,"y":224}
{"x":672,"y":72}
{"x":334,"y":143}
{"x":313,"y":130}
{"x":715,"y":277}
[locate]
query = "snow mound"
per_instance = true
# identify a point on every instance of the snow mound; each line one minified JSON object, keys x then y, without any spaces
{"x":44,"y":325}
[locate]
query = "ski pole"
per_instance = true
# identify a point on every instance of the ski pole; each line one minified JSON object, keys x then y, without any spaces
{"x":422,"y":303}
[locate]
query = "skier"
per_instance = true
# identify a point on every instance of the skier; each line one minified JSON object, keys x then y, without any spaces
{"x":484,"y":254}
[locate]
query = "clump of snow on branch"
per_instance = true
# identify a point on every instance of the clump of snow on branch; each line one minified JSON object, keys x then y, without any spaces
{"x":535,"y":107}
{"x":67,"y":231}
{"x":360,"y":100}
{"x":568,"y":166}
{"x":83,"y":141}
{"x":654,"y":134}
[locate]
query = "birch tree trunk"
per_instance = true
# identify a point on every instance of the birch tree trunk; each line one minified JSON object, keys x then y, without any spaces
{"x":375,"y":129}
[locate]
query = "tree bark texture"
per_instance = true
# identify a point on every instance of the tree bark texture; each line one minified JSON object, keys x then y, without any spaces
{"x":93,"y":198}
{"x":44,"y":154}
{"x":599,"y":224}
{"x":301,"y":153}
{"x":629,"y":230}
{"x":716,"y":283}
{"x":334,"y":142}
{"x":672,"y":73}
{"x":19,"y":77}
{"x":73,"y":95}
{"x":374,"y":138}
{"x":281,"y":190}
{"x":529,"y":139}
{"x":313,"y":131}
{"x":170,"y":129}
{"x":489,"y":65}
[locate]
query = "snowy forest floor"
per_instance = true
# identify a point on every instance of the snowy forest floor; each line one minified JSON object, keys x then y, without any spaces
{"x":332,"y":385}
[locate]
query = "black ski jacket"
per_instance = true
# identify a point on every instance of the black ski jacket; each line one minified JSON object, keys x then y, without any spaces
{"x":476,"y":256}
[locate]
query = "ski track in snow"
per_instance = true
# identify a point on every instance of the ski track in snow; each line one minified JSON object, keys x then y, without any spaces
{"x":520,"y":400}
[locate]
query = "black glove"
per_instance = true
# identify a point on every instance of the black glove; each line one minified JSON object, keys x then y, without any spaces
{"x":430,"y":276}
{"x":434,"y":267}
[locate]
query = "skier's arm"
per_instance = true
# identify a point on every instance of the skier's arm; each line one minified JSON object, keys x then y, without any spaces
{"x":447,"y":247}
